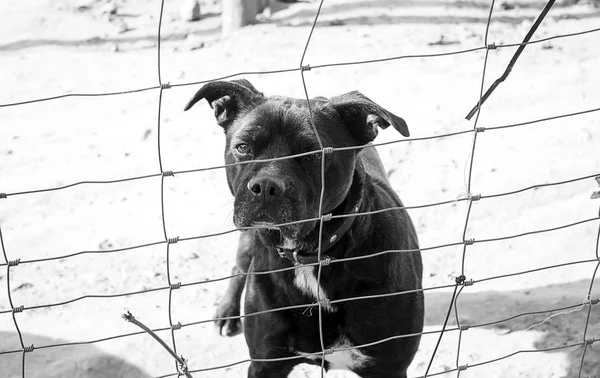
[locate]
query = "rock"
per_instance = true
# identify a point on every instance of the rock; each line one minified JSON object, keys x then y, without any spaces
{"x":122,"y":27}
{"x":194,"y":42}
{"x":109,"y":8}
{"x":190,"y":10}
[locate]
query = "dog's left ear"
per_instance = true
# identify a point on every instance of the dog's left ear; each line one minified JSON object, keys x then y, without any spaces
{"x":227,"y":98}
{"x":363,"y":116}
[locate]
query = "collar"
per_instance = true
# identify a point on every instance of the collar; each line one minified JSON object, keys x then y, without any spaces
{"x":329,"y":238}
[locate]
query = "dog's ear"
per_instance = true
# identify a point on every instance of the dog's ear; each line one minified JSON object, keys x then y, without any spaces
{"x":227,"y":98}
{"x":363,"y":116}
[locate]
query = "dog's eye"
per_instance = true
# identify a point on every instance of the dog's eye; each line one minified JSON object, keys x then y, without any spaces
{"x":243,"y":149}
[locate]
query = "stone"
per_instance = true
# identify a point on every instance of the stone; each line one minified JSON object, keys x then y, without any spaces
{"x":190,"y":10}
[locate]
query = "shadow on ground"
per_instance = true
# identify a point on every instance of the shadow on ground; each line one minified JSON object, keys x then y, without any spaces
{"x":372,"y":13}
{"x":78,"y":361}
{"x":479,"y":308}
{"x":87,"y":361}
{"x":377,"y":13}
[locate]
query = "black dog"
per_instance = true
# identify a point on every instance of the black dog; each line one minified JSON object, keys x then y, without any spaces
{"x":268,"y":194}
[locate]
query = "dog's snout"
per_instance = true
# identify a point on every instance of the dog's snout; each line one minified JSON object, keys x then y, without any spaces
{"x":266,"y":188}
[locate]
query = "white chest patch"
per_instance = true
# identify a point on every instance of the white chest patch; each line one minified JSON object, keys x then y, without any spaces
{"x":306,"y":281}
{"x":347,"y":359}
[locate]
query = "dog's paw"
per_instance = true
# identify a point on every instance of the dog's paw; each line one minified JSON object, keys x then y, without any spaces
{"x":228,"y":327}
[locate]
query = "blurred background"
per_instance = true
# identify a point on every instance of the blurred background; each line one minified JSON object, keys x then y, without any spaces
{"x":82,"y":48}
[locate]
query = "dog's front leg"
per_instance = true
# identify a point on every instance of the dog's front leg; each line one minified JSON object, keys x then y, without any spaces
{"x":229,"y":306}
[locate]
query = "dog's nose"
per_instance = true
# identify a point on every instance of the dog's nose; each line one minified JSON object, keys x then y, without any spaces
{"x":266,"y":187}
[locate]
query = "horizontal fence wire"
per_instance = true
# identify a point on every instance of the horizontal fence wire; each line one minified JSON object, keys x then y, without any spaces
{"x":295,"y":156}
{"x":478,"y":325}
{"x":461,"y":282}
{"x":336,"y":261}
{"x":435,"y":204}
{"x":297,"y":69}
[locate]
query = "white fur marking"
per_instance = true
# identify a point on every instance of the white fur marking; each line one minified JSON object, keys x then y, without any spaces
{"x":306,"y":281}
{"x":345,"y":359}
{"x":350,"y":359}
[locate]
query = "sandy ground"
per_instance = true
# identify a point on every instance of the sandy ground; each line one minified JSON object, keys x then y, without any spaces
{"x":47,"y":49}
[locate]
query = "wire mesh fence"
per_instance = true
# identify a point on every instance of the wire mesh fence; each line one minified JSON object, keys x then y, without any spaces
{"x":469,"y":197}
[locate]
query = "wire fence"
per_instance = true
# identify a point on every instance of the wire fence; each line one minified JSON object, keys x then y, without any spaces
{"x":460,"y":282}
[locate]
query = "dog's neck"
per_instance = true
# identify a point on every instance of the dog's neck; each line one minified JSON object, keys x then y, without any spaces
{"x":335,"y":226}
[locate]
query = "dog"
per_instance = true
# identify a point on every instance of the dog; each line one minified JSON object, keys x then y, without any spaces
{"x":270,"y":196}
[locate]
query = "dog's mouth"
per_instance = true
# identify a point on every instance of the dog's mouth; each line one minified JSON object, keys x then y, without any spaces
{"x":270,"y":224}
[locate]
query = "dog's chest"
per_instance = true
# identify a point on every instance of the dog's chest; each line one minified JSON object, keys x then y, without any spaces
{"x":306,"y":280}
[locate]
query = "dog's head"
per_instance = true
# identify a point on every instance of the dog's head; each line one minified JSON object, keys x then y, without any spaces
{"x":258,"y":127}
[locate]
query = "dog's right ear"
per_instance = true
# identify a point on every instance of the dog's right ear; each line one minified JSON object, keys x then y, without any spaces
{"x":227,"y":98}
{"x":363,"y":116}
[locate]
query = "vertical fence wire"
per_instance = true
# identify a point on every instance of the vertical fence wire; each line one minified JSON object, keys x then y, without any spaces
{"x":14,"y":310}
{"x":461,"y":281}
{"x":303,"y":68}
{"x":171,"y":286}
{"x":587,"y":342}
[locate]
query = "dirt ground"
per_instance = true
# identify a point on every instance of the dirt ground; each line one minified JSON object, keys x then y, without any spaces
{"x":55,"y":47}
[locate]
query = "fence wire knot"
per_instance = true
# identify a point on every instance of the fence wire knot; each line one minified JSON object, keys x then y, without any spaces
{"x":176,"y":326}
{"x":29,"y":349}
{"x":463,"y":367}
{"x":479,"y":129}
{"x":305,"y":68}
{"x":492,"y":46}
{"x":14,"y":262}
{"x":465,"y":327}
{"x":165,"y":85}
{"x":589,"y":341}
{"x":168,"y":173}
{"x":3,"y":195}
{"x":326,"y":261}
{"x":594,"y":301}
{"x":462,"y":280}
{"x":18,"y":309}
{"x":327,"y":150}
{"x":183,"y":368}
{"x":323,"y":302}
{"x":173,"y":240}
{"x":469,"y":241}
{"x":326,"y":217}
{"x":595,"y":195}
{"x":474,"y":197}
{"x":328,"y":351}
{"x":175,"y":286}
